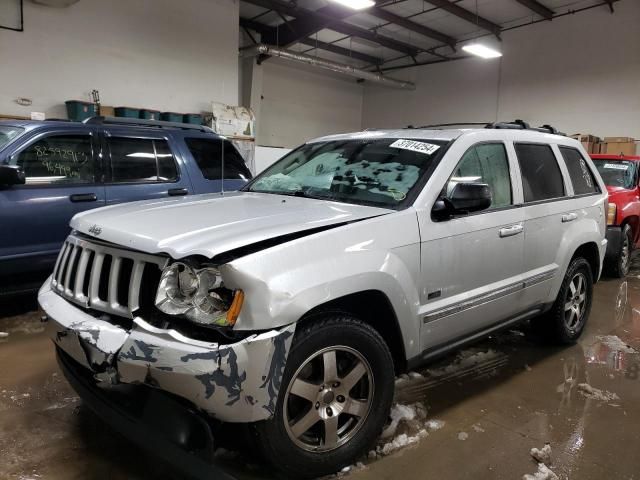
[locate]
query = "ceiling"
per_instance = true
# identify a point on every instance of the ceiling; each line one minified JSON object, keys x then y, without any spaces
{"x":395,"y":33}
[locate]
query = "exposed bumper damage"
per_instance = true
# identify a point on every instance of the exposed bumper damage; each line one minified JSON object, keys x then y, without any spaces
{"x":238,"y":382}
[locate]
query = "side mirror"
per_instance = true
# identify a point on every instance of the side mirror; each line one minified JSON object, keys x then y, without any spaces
{"x":464,"y":198}
{"x":11,"y":175}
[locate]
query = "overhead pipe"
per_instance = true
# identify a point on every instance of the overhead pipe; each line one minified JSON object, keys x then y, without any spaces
{"x":263,"y":49}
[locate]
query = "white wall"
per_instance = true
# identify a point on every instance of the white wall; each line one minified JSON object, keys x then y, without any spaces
{"x":581,"y":73}
{"x":164,"y":54}
{"x":300,"y":103}
{"x":267,"y":156}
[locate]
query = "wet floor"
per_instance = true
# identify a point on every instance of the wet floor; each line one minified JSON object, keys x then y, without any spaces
{"x":494,"y":402}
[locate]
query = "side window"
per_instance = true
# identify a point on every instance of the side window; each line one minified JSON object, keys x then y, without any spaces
{"x":208,"y":156}
{"x":541,"y":175}
{"x":141,"y":160}
{"x":57,"y":159}
{"x":486,"y":163}
{"x":581,"y":176}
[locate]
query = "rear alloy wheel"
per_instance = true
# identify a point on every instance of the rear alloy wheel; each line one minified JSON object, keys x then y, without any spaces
{"x":623,"y":261}
{"x":566,"y":319}
{"x":334,"y":400}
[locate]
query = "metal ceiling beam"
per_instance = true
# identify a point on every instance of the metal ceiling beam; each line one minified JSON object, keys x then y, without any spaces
{"x":403,"y":22}
{"x":538,"y":8}
{"x":266,"y":30}
{"x":308,"y":22}
{"x":470,"y":17}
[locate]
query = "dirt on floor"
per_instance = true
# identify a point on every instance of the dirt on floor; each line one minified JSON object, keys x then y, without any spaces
{"x":476,"y":414}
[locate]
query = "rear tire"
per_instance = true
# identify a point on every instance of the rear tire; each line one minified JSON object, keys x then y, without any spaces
{"x":334,"y":400}
{"x":568,"y":316}
{"x":623,"y":259}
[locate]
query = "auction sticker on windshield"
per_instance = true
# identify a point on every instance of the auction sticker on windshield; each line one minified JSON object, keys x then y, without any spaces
{"x":420,"y":147}
{"x":613,"y":166}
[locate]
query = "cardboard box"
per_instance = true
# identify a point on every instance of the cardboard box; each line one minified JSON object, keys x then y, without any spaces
{"x":106,"y":111}
{"x":619,"y":148}
{"x":618,"y":139}
{"x":588,"y":141}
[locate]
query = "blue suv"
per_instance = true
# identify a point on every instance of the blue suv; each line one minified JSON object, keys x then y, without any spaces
{"x":51,"y":170}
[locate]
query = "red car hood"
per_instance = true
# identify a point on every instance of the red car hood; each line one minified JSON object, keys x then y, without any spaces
{"x":614,"y":190}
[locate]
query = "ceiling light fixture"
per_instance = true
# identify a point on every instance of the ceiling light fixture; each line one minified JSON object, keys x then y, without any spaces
{"x":482,"y":51}
{"x":356,"y":4}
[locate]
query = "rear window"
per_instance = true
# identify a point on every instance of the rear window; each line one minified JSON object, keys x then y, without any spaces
{"x":541,"y":176}
{"x":579,"y":172}
{"x":617,"y":173}
{"x":208,"y":155}
{"x":141,"y":160}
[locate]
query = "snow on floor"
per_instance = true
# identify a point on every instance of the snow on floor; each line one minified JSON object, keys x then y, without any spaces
{"x":542,"y":455}
{"x":543,"y":473}
{"x":615,"y":343}
{"x":463,"y":436}
{"x":596,"y":394}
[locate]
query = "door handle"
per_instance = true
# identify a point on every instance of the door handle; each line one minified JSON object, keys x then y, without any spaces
{"x":83,"y":197}
{"x":510,"y":231}
{"x":569,"y":217}
{"x":174,"y":192}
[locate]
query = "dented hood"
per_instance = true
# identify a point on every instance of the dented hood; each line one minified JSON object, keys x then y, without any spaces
{"x":212,"y":224}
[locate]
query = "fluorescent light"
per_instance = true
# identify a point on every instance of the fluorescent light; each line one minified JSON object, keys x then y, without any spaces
{"x":356,"y":4}
{"x":481,"y":50}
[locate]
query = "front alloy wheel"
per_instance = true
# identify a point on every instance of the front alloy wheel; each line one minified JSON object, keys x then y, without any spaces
{"x":328,"y":399}
{"x":575,"y":302}
{"x":335,"y":397}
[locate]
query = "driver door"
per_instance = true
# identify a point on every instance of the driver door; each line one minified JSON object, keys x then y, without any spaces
{"x":472,"y":264}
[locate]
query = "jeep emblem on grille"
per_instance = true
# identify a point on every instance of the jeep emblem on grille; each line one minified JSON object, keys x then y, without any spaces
{"x":95,"y":229}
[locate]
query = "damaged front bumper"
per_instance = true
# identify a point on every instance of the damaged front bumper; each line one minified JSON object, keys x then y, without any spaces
{"x":238,"y":382}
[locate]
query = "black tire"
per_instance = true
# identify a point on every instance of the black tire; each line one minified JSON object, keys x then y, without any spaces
{"x":620,"y":267}
{"x":314,"y":336}
{"x":563,"y":326}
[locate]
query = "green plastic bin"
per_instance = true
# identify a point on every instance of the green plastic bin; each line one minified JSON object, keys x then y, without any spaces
{"x":148,"y":114}
{"x":78,"y":110}
{"x":127,"y":112}
{"x":194,"y":118}
{"x":171,"y":117}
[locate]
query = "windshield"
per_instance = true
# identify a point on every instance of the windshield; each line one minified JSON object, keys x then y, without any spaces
{"x":616,"y":173}
{"x":7,"y":134}
{"x":379,"y":172}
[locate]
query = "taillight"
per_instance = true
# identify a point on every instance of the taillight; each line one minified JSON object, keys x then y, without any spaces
{"x":611,"y":214}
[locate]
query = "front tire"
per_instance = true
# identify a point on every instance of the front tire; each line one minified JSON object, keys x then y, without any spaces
{"x":335,"y":397}
{"x":567,"y":318}
{"x":623,"y":259}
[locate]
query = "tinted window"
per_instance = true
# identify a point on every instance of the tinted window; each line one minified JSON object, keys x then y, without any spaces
{"x":579,"y":172}
{"x":57,"y":159}
{"x":208,"y":156}
{"x":141,"y":160}
{"x":486,"y":163}
{"x":541,"y":176}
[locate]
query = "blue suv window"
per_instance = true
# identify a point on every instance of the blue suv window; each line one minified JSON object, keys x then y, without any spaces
{"x":57,"y":159}
{"x":208,"y":156}
{"x":141,"y":160}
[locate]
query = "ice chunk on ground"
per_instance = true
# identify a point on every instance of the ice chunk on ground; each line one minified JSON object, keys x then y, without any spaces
{"x":400,"y":441}
{"x":542,"y":455}
{"x":398,"y":413}
{"x":463,"y":436}
{"x":415,"y":375}
{"x":433,"y":425}
{"x":477,"y":428}
{"x":4,"y":334}
{"x":543,"y":473}
{"x":615,"y":343}
{"x":597,"y":394}
{"x":465,"y":359}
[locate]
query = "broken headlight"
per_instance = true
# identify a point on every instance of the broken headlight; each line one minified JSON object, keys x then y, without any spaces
{"x":198,"y":294}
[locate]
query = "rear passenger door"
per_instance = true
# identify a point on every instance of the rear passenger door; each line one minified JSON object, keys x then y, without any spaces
{"x":141,"y":166}
{"x":548,"y":211}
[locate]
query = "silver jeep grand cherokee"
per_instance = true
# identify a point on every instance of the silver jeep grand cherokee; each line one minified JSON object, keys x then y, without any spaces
{"x":290,"y":305}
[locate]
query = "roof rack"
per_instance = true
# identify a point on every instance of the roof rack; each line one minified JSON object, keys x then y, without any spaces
{"x":448,"y":124}
{"x":99,"y":120}
{"x":522,"y":125}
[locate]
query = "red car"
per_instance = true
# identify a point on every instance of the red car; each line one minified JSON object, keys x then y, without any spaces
{"x":620,"y":175}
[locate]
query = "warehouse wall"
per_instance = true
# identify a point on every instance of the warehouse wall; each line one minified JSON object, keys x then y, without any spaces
{"x":580,"y":72}
{"x":162,"y":54}
{"x":299,"y":103}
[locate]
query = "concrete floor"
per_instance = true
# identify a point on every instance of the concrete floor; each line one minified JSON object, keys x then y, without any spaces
{"x":520,"y":396}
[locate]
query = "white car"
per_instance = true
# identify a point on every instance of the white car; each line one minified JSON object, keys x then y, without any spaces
{"x":290,"y":305}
